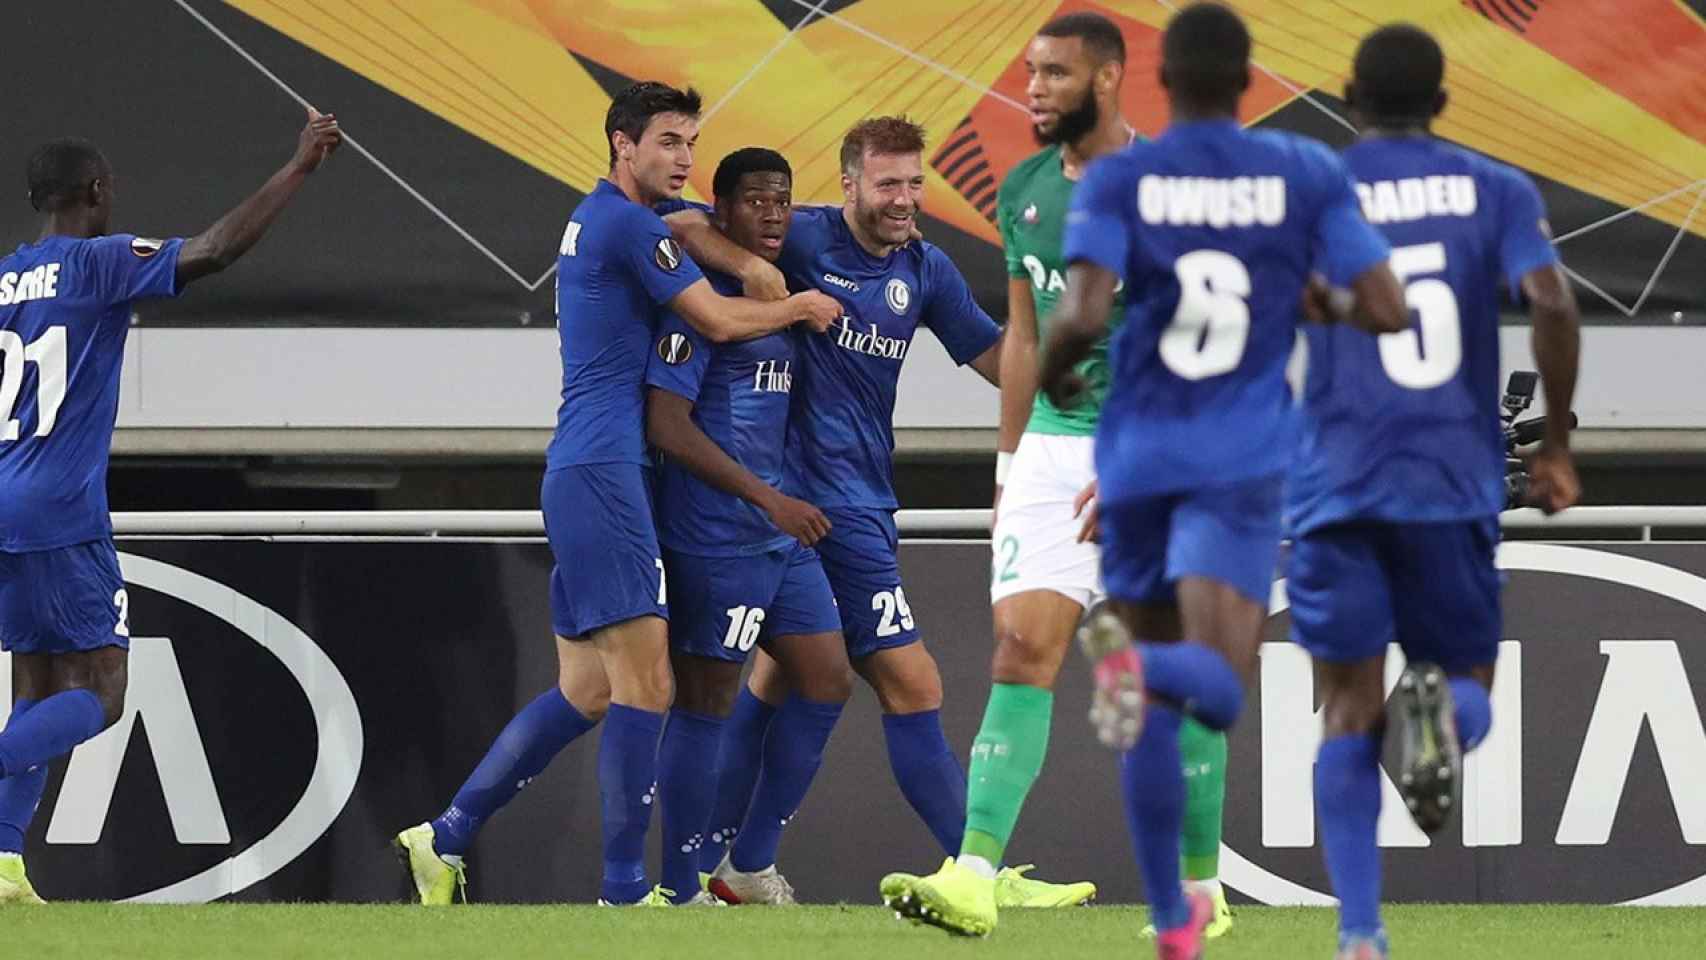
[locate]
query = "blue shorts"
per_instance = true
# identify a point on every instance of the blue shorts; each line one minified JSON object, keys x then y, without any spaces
{"x":609,"y":569}
{"x":1432,"y":587}
{"x":1230,"y":534}
{"x":863,"y":568}
{"x":64,"y":600}
{"x":722,"y":606}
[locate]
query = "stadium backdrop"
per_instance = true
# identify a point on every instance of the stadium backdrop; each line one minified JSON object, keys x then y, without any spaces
{"x":485,"y":118}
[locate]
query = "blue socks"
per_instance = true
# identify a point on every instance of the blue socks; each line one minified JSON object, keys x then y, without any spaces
{"x":19,"y":794}
{"x":1474,"y":711}
{"x":1154,"y":781}
{"x":1347,"y":797}
{"x":739,"y":756}
{"x":1197,"y":678}
{"x":687,"y":788}
{"x":50,"y":729}
{"x":929,"y":774}
{"x":627,"y":769}
{"x":539,"y":732}
{"x":793,"y":751}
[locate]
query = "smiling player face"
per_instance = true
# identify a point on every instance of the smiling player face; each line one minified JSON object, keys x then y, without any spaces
{"x":886,"y":195}
{"x":1060,"y":96}
{"x":664,"y":156}
{"x":756,"y":217}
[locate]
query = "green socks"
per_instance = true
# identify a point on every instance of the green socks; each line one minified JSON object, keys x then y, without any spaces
{"x":1203,"y":753}
{"x":1005,"y":760}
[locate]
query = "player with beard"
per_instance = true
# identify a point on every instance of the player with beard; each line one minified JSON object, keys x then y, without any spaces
{"x":1046,"y":570}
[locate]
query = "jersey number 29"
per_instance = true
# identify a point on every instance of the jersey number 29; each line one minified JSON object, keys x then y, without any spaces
{"x":48,"y":354}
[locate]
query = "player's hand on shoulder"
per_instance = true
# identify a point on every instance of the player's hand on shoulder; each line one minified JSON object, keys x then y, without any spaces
{"x":816,"y":309}
{"x":1553,"y":484}
{"x":320,"y":136}
{"x":799,"y":519}
{"x":760,"y":280}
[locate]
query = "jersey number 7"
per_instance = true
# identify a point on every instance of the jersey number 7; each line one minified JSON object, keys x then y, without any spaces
{"x":48,"y":354}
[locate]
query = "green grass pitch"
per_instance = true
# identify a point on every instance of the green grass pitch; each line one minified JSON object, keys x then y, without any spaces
{"x":316,"y":932}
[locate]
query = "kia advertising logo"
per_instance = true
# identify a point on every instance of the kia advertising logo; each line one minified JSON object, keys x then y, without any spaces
{"x":1588,"y":788}
{"x":239,"y":746}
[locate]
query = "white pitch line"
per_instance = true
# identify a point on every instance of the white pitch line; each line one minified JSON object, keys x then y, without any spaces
{"x":358,"y":148}
{"x":816,"y":10}
{"x":1664,"y":261}
{"x":913,"y":55}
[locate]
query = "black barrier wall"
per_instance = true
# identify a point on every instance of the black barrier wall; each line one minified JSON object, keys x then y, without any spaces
{"x":294,"y":704}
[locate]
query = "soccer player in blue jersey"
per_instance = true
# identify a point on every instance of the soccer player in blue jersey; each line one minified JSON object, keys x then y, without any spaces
{"x":65,"y":308}
{"x":740,"y":563}
{"x":617,"y":269}
{"x":1214,"y":230}
{"x":840,"y":447}
{"x":1394,"y":497}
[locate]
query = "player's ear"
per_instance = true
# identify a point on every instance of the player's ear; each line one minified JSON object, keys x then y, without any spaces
{"x":1161,"y":77}
{"x":849,"y":187}
{"x":1244,"y":78}
{"x":1439,"y":103}
{"x":99,"y":191}
{"x":1108,"y":77}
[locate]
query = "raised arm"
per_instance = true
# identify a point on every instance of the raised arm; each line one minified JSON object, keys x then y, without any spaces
{"x":232,"y":235}
{"x":722,"y":319}
{"x":670,"y":428}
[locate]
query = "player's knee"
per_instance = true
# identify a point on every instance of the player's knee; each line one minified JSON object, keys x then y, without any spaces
{"x":109,"y":687}
{"x":1351,"y":713}
{"x":827,"y":685}
{"x":912,"y":691}
{"x":1021,"y":657}
{"x":588,"y":694}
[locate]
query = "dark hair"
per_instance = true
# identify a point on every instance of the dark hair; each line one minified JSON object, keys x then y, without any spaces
{"x":60,"y":168}
{"x":632,"y":110}
{"x":1398,"y":73}
{"x":1101,"y":38}
{"x":881,"y":135}
{"x":742,"y":162}
{"x":1206,"y":53}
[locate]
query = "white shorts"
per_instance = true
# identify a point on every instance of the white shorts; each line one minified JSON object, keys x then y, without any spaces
{"x":1035,"y":539}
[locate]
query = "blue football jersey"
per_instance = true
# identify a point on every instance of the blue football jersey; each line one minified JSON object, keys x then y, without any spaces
{"x":64,"y":313}
{"x":616,"y":268}
{"x":841,"y":441}
{"x":740,"y":397}
{"x":1406,"y":427}
{"x":1212,"y":229}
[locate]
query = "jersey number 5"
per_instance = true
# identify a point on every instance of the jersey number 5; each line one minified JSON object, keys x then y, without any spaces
{"x":1425,"y":359}
{"x":48,"y":354}
{"x":1206,"y":337}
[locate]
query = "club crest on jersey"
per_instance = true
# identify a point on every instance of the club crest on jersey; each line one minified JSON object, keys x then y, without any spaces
{"x":675,"y":349}
{"x":667,"y":254}
{"x":898,"y":295}
{"x":1030,"y":215}
{"x":145,"y":247}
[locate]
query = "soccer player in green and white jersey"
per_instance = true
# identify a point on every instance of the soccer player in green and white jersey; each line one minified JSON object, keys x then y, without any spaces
{"x":1046,"y":571}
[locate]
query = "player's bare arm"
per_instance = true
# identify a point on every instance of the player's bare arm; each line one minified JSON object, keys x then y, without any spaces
{"x":670,"y":428}
{"x":1081,"y":319}
{"x":1557,"y":354}
{"x":759,"y":278}
{"x":988,"y":363}
{"x":232,"y":235}
{"x":723,"y":319}
{"x":1018,"y":365}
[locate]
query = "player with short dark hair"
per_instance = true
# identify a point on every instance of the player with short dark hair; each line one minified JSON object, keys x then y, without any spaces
{"x":1394,"y":497}
{"x":839,"y":455}
{"x":1214,"y":231}
{"x":617,"y":271}
{"x":738,"y":553}
{"x":65,"y":310}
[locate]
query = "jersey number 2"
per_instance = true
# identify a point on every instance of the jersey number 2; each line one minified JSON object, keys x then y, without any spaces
{"x":1206,"y":337}
{"x":48,"y":354}
{"x":1425,"y":359}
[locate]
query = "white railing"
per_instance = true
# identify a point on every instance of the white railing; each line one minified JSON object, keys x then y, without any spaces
{"x":913,"y":523}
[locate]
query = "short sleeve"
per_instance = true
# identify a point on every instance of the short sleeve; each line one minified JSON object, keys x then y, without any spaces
{"x":1009,"y":245}
{"x":679,"y":358}
{"x":655,"y":258}
{"x":126,"y":267}
{"x":1098,"y":226}
{"x":1344,"y":242}
{"x":1525,"y":241}
{"x":952,"y":313}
